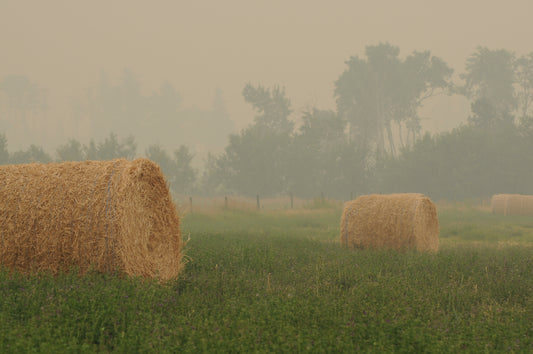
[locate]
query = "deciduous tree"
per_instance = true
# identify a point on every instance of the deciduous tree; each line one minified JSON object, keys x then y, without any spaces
{"x":489,"y":84}
{"x":382,"y":89}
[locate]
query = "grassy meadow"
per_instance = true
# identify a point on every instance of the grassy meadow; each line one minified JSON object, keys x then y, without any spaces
{"x":279,"y":281}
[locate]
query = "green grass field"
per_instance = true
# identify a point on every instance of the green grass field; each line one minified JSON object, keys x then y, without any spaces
{"x":279,"y":281}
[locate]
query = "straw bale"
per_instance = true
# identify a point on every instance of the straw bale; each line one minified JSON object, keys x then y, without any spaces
{"x":498,"y":204}
{"x":394,"y":221}
{"x":102,"y":215}
{"x":512,"y":204}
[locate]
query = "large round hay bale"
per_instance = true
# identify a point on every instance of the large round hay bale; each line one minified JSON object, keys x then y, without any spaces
{"x":394,"y":221}
{"x":512,"y":204}
{"x":102,"y":215}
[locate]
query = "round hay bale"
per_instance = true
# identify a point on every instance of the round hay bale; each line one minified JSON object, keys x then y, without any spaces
{"x":102,"y":215}
{"x":498,"y":204}
{"x":512,"y":204}
{"x":394,"y":221}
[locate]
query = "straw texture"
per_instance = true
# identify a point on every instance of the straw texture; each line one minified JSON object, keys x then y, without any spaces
{"x":394,"y":221}
{"x":105,"y":215}
{"x":498,"y":204}
{"x":512,"y":204}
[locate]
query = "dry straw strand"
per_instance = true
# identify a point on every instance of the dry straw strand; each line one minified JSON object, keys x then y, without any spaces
{"x":393,"y":221}
{"x":105,"y":215}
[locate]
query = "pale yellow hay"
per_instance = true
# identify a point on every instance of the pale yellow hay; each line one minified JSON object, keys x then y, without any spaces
{"x":497,"y":204}
{"x":106,"y":215}
{"x":512,"y":204}
{"x":394,"y":221}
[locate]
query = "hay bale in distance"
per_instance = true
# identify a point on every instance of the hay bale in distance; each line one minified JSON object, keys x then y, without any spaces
{"x":394,"y":221}
{"x":104,"y":215}
{"x":498,"y":204}
{"x":512,"y":204}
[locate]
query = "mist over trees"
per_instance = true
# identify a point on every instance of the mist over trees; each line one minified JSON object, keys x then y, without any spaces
{"x":254,"y":161}
{"x":382,"y":90}
{"x":492,"y":153}
{"x":23,"y":107}
{"x":371,"y":143}
{"x":121,"y":106}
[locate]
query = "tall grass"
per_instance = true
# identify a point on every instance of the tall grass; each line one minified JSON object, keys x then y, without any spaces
{"x":279,"y":281}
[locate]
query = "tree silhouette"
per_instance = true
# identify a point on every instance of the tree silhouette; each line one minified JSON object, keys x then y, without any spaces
{"x":489,"y":84}
{"x":24,"y":106}
{"x":381,"y":89}
{"x":71,"y":151}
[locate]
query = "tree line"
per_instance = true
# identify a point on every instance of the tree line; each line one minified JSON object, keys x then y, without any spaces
{"x":177,"y":166}
{"x":372,"y":141}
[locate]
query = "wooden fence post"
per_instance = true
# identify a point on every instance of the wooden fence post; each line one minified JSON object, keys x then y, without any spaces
{"x":292,"y":204}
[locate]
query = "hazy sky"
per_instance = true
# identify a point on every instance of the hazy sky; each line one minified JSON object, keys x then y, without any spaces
{"x":199,"y":45}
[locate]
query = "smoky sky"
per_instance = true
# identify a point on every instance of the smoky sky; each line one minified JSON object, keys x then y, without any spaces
{"x":201,"y":45}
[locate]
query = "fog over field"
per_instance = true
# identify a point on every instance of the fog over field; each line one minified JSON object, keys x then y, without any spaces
{"x":201,"y":81}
